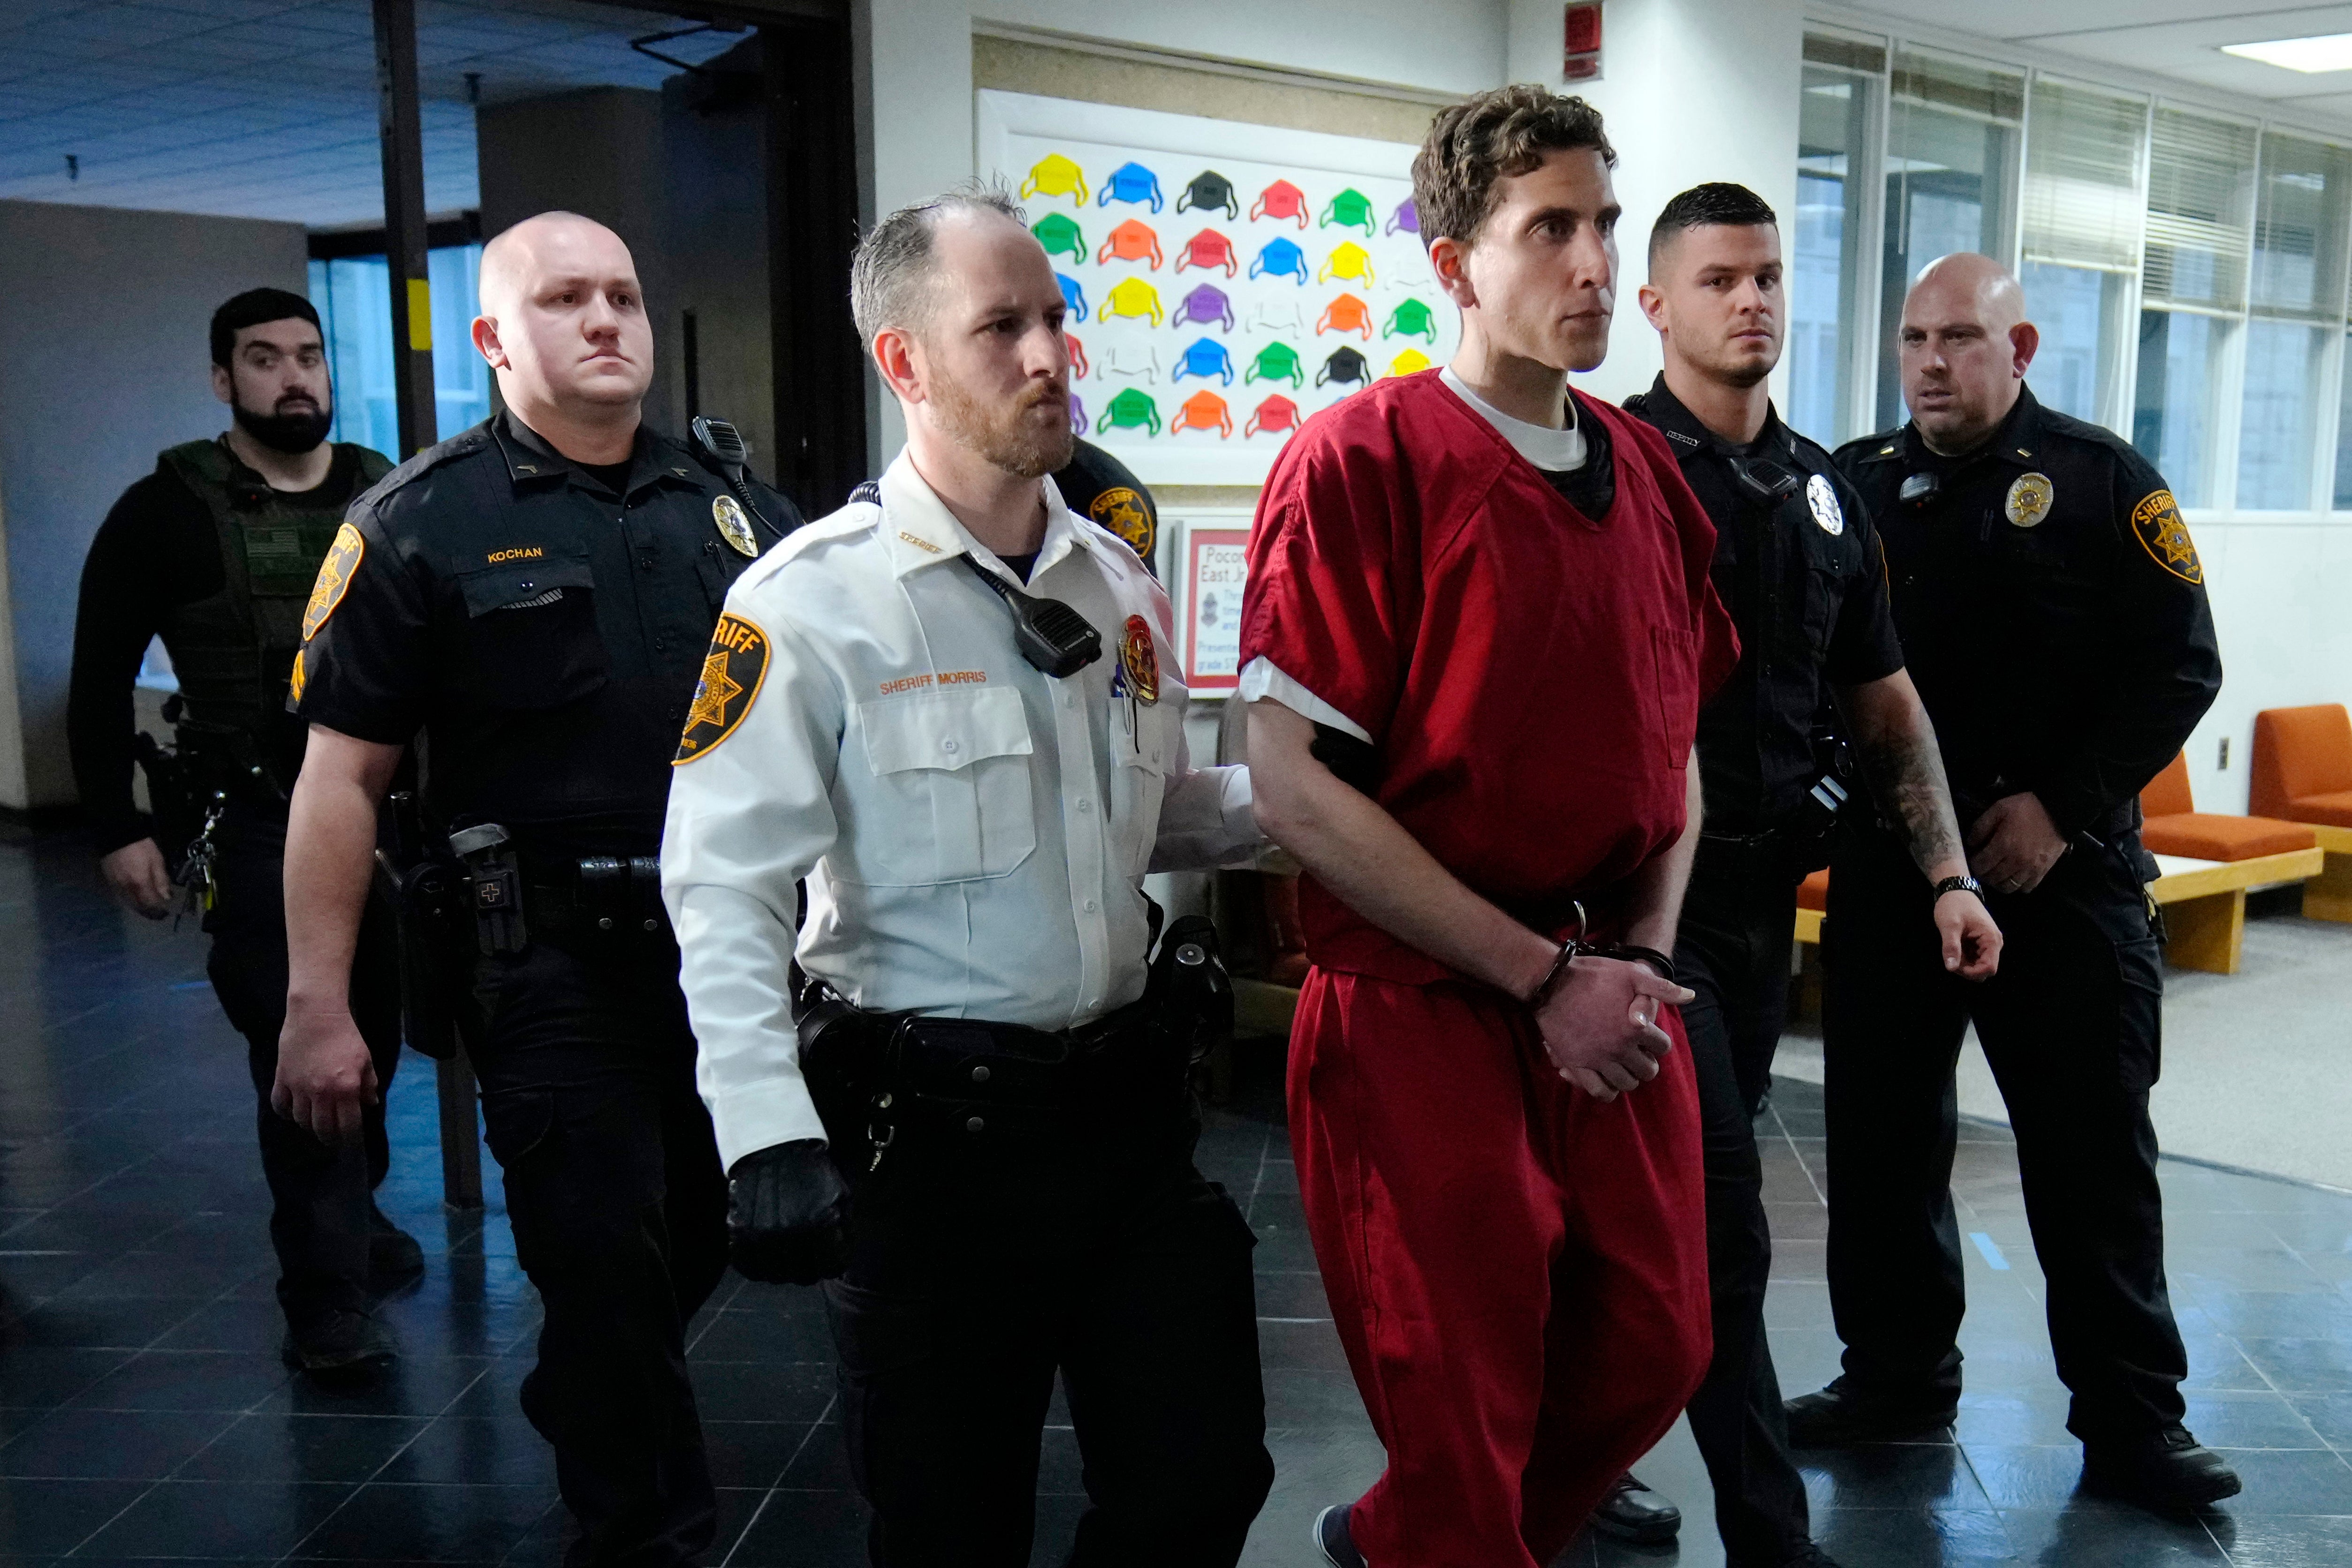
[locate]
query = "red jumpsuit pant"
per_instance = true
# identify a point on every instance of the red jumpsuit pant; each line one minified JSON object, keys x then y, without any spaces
{"x":1518,"y":1272}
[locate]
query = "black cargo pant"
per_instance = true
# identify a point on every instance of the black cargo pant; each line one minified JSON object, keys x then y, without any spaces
{"x":1733,"y":948}
{"x":2069,"y":1027}
{"x":619,"y":1209}
{"x":979,"y":1269}
{"x":321,"y":1210}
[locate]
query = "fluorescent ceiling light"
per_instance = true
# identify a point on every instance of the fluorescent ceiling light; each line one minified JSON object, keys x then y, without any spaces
{"x":2331,"y":52}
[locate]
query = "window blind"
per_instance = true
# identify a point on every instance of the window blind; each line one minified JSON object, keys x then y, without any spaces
{"x":2300,"y":219}
{"x":2082,"y":205}
{"x":1989,"y":92}
{"x":2200,"y":188}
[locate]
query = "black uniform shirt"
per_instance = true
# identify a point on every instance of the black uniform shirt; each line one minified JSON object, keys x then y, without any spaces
{"x":158,"y":549}
{"x":2054,"y":610}
{"x":1098,"y":486}
{"x":1805,"y":582}
{"x":543,"y":631}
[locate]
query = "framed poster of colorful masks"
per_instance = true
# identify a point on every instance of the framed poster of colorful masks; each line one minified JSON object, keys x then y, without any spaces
{"x":1224,"y":281}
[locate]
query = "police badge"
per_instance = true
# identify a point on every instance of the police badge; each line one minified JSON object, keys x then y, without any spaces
{"x":2029,"y":499}
{"x":1821,"y":496}
{"x":734,"y":526}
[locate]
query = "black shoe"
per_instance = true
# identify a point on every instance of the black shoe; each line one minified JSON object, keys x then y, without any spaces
{"x":2170,"y":1472}
{"x":1631,"y":1511}
{"x":1331,"y":1537}
{"x":395,"y":1258}
{"x":339,"y":1345}
{"x":1838,"y":1415}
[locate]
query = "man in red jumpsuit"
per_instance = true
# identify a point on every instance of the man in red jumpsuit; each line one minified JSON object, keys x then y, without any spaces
{"x":1478,"y":632}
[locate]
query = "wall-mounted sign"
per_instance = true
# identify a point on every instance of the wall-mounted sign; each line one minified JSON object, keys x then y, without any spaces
{"x":1217,"y":565}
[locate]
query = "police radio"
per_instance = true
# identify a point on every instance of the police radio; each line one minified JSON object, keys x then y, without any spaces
{"x":725,"y":445}
{"x":1051,"y":635}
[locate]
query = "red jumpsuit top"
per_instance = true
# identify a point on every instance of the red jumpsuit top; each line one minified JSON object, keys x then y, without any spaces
{"x":1530,"y":676}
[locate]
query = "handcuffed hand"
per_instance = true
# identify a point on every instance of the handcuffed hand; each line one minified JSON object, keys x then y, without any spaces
{"x":1600,"y":1025}
{"x":787,"y":1212}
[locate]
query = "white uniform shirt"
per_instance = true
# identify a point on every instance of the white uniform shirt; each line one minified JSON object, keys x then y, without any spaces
{"x":974,"y":834}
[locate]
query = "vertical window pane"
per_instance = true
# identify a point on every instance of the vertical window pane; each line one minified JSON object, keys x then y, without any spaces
{"x":1830,"y":154}
{"x":2284,"y":361}
{"x":2344,"y":435}
{"x":2200,"y":189}
{"x":2174,"y":421}
{"x":2079,"y":311}
{"x":354,"y":296}
{"x":1951,"y":173}
{"x":2080,"y":241}
{"x":2298,"y":284}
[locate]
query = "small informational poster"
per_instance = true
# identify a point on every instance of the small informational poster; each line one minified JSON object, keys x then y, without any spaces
{"x":1216,"y":566}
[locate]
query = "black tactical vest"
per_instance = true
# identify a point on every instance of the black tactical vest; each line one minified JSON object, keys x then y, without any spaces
{"x":234,"y":651}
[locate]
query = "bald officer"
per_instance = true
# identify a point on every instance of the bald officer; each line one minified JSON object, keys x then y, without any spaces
{"x":2051,"y":608}
{"x":535,"y":597}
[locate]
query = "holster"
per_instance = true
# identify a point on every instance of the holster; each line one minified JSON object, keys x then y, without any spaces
{"x":176,"y":814}
{"x":425,"y":893}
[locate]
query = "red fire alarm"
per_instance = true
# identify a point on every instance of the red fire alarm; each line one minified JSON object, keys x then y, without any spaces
{"x":1581,"y":61}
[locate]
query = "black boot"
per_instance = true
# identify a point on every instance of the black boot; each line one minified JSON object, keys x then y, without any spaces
{"x":1841,"y":1414}
{"x":2169,"y":1472}
{"x":337,"y":1345}
{"x":1631,"y":1511}
{"x":394,"y":1260}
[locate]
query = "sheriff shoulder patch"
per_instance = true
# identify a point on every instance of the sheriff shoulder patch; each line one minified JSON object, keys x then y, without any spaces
{"x":1124,"y":513}
{"x":731,"y":674}
{"x":334,"y":579}
{"x":2155,"y":523}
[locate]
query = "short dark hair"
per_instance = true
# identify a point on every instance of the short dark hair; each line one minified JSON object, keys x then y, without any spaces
{"x":1718,"y":202}
{"x":1492,"y":136}
{"x":251,"y":309}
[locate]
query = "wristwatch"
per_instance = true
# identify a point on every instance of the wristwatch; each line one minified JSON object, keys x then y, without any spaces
{"x":1958,"y":885}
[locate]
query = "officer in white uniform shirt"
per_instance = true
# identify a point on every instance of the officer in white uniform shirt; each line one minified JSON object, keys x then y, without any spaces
{"x":900,"y":711}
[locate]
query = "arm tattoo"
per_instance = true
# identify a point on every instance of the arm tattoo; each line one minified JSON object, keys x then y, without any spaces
{"x":1906,"y":776}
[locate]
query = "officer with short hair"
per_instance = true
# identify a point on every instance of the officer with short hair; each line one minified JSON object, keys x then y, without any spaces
{"x":945,"y":708}
{"x":1796,"y":561}
{"x":215,"y":553}
{"x":535,"y":597}
{"x":2053,"y":607}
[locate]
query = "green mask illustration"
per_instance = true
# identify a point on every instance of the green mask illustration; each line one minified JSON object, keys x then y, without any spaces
{"x":1410,"y":318}
{"x":1129,"y":410}
{"x":1350,"y":209}
{"x":1059,"y":232}
{"x":1276,"y":362}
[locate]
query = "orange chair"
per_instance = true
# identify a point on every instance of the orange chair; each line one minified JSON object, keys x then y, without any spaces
{"x":1813,"y":900}
{"x":2205,"y":901}
{"x":2173,"y":825}
{"x":2303,"y":773}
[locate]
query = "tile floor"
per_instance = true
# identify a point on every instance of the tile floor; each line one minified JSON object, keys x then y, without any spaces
{"x":144,"y":1414}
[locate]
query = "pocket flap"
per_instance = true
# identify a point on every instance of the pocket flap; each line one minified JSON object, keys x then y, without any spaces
{"x":944,"y":730}
{"x":516,"y":582}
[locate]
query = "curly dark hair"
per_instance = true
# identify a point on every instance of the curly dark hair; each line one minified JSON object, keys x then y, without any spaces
{"x":1490,"y":137}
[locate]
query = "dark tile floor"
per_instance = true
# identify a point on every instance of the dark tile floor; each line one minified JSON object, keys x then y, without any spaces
{"x":144,"y":1414}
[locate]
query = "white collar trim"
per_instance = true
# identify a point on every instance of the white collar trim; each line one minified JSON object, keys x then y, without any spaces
{"x":1555,"y":451}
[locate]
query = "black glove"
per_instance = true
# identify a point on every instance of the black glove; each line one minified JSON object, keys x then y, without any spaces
{"x":786,"y":1212}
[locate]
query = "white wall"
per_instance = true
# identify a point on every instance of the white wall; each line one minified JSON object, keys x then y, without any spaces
{"x":103,"y":321}
{"x":1692,"y":91}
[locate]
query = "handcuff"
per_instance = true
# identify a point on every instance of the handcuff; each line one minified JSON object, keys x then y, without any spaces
{"x":1574,"y":948}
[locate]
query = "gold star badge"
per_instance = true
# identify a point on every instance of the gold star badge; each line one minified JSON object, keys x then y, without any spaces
{"x":731,"y":672}
{"x":713,"y":691}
